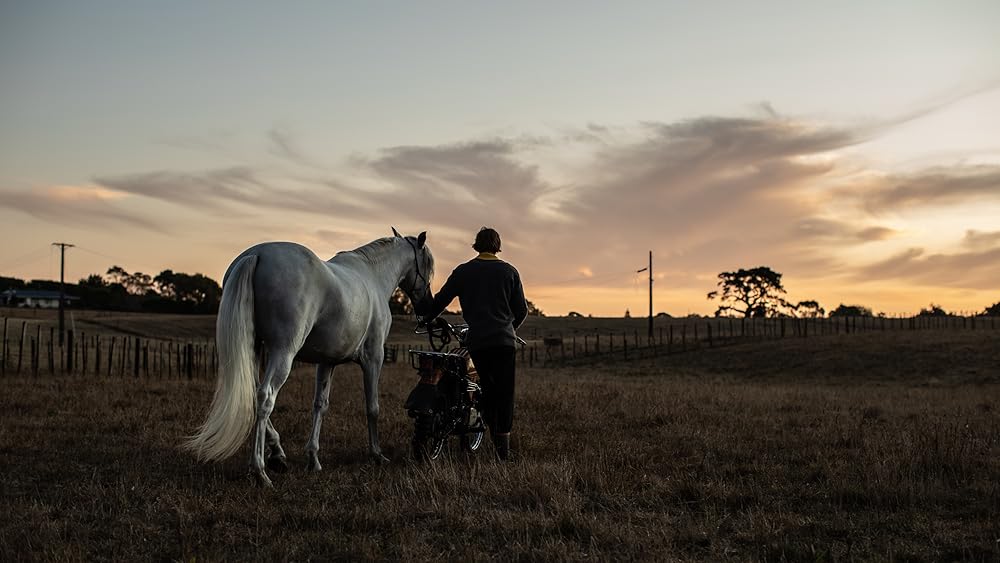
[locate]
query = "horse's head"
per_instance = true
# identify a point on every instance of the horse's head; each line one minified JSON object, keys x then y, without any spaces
{"x":416,"y":282}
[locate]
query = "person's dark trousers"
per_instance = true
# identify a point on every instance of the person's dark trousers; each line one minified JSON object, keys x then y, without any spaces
{"x":496,"y":376}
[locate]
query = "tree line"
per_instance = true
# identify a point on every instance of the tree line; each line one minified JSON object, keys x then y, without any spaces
{"x":166,"y":292}
{"x":759,"y":292}
{"x":119,"y":290}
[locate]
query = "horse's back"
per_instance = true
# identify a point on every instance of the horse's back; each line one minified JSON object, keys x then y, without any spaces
{"x":297,"y":295}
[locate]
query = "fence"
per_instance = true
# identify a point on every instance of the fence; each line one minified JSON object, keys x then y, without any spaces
{"x":30,"y":350}
{"x":683,"y":335}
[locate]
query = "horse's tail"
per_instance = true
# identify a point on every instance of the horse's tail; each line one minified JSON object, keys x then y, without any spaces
{"x":232,"y":412}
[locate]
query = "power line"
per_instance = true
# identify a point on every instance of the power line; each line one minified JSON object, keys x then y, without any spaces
{"x":18,"y":261}
{"x":587,"y":279}
{"x":101,"y":254}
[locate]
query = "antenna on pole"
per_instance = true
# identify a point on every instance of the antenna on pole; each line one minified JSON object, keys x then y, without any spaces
{"x":62,"y":289}
{"x":650,"y":270}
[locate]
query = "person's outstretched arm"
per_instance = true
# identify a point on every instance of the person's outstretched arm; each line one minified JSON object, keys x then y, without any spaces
{"x":444,"y":297}
{"x":518,"y":305}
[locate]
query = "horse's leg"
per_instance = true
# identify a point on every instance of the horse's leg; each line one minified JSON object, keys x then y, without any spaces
{"x":320,"y":406}
{"x":275,"y":375}
{"x":372,"y":368}
{"x":276,"y":460}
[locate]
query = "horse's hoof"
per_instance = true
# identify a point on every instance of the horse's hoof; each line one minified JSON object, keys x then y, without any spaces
{"x":314,"y":465}
{"x":379,"y":459}
{"x":261,"y":479}
{"x":278,"y":464}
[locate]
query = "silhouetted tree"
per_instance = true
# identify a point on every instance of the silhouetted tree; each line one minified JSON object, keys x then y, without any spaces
{"x":534,"y":311}
{"x":190,"y":293}
{"x":933,"y":311}
{"x":399,"y":303}
{"x":993,"y":310}
{"x":809,"y":309}
{"x":136,"y":284}
{"x":752,"y":293}
{"x":851,"y":311}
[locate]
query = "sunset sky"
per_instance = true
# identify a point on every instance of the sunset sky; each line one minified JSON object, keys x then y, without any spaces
{"x":852,"y":146}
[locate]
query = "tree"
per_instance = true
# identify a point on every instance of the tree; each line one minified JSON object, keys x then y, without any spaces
{"x":136,"y":284}
{"x":534,"y":311}
{"x":851,"y":311}
{"x":752,"y":293}
{"x":993,"y":310}
{"x":933,"y":311}
{"x":399,"y":303}
{"x":190,"y":292}
{"x":809,"y":310}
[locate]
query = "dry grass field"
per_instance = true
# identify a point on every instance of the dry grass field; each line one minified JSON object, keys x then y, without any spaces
{"x":872,"y":447}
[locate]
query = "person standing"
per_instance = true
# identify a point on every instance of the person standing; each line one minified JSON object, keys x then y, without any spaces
{"x":490,"y":293}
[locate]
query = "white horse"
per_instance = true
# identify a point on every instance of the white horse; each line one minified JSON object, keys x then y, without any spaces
{"x":280,"y":298}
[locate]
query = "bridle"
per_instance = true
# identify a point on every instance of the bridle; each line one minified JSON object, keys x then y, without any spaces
{"x":416,"y":267}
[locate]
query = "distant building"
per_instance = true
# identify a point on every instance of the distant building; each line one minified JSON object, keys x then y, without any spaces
{"x":37,"y":298}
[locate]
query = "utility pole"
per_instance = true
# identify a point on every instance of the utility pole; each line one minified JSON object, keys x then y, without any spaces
{"x":62,"y":289}
{"x":650,"y":270}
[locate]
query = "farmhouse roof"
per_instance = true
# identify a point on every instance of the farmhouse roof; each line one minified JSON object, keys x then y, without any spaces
{"x":34,"y":294}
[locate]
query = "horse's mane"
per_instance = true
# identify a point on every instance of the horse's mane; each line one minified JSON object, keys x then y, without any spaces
{"x":373,"y":251}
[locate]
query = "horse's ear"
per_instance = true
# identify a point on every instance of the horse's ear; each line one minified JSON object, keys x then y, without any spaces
{"x":395,"y":232}
{"x":421,"y":239}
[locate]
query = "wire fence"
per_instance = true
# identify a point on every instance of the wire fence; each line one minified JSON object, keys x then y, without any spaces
{"x":33,"y":348}
{"x":683,"y":335}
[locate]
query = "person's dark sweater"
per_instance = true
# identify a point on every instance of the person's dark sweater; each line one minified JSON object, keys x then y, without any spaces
{"x":492,"y":299}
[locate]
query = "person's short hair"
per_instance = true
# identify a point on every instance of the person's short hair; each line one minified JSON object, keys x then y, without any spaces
{"x":487,"y":240}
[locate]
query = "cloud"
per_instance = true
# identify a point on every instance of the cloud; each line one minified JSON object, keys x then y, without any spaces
{"x":85,"y":206}
{"x":974,"y":269}
{"x":224,"y":190}
{"x":485,"y":173}
{"x":979,"y":240}
{"x":839,"y":231}
{"x":933,"y":187}
{"x":705,"y":194}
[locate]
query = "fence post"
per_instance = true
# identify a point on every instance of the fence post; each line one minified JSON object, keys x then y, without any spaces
{"x":3,"y":366}
{"x":670,"y":342}
{"x":708,"y":326}
{"x":68,"y":362}
{"x":190,"y":361}
{"x":625,"y":344}
{"x":20,"y":348}
{"x":111,"y":354}
{"x":32,"y":356}
{"x":684,"y":337}
{"x":135,"y":357}
{"x":97,"y":355}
